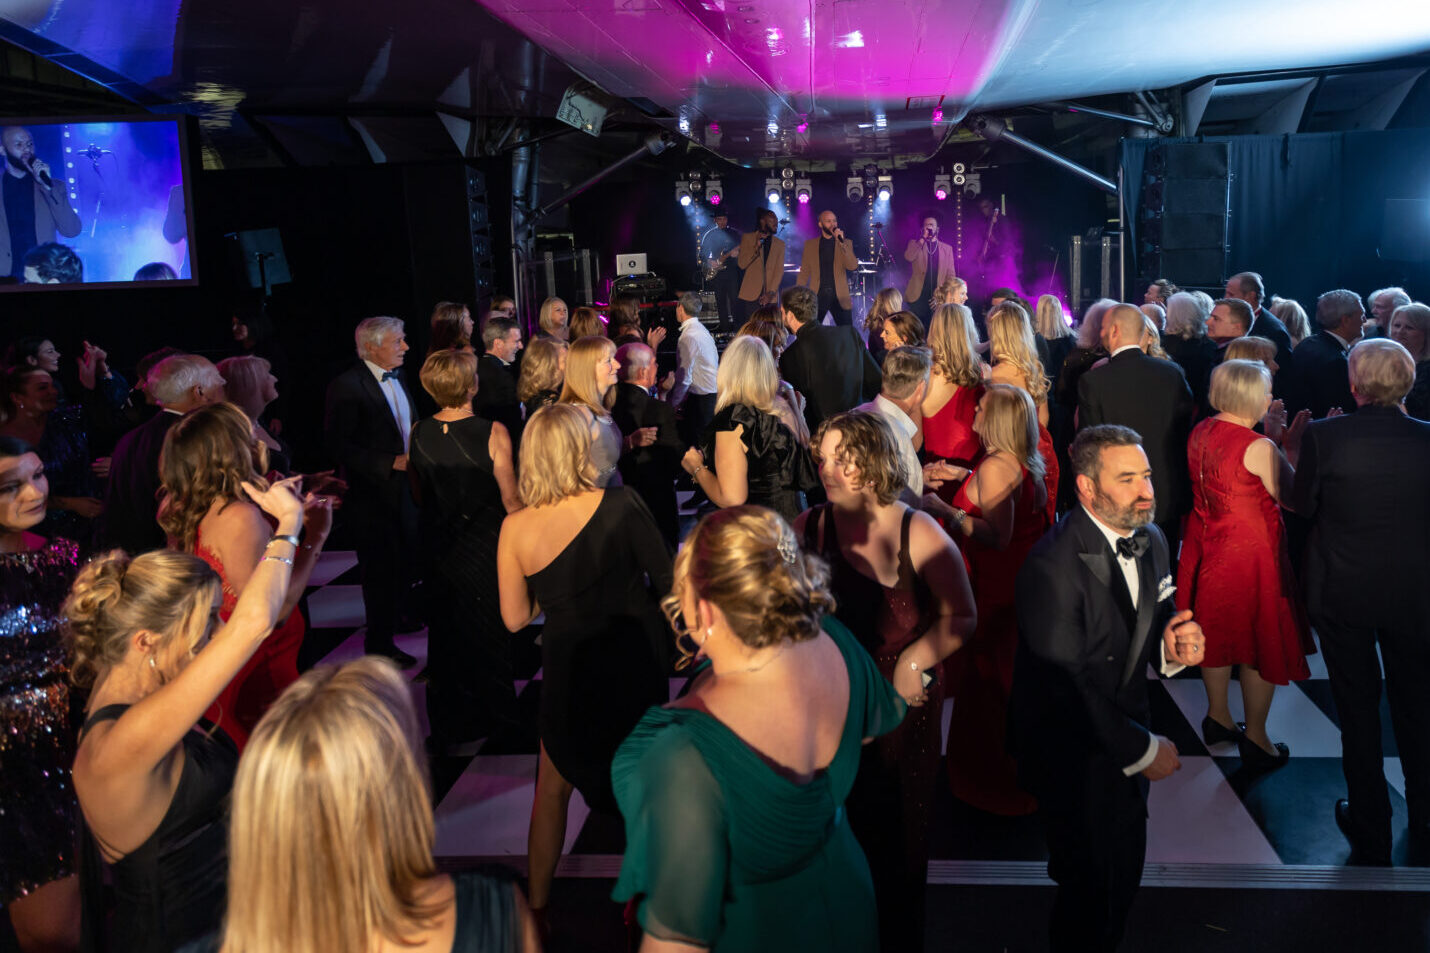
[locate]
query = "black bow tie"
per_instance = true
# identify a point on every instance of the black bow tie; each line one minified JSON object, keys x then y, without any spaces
{"x":391,"y":376}
{"x":1132,"y":547}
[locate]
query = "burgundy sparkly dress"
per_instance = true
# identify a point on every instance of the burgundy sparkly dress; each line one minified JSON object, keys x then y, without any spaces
{"x":889,"y":805}
{"x":37,"y":743}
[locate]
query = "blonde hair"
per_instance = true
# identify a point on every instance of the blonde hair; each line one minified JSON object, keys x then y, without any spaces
{"x":1010,"y":423}
{"x":243,"y":380}
{"x":207,"y":454}
{"x":450,"y":377}
{"x":1251,"y":348}
{"x":331,"y":833}
{"x":1382,"y":371}
{"x":1291,"y":314}
{"x":747,"y":376}
{"x":580,"y":385}
{"x":555,"y":456}
{"x":114,"y":596}
{"x":954,"y":342}
{"x":866,"y":445}
{"x":540,"y":368}
{"x":1239,"y":386}
{"x":1417,"y":316}
{"x":1049,"y":318}
{"x":547,"y":322}
{"x":943,"y":294}
{"x":735,"y":559}
{"x":586,"y":322}
{"x":1151,"y":337}
{"x":1010,"y":339}
{"x":886,"y":302}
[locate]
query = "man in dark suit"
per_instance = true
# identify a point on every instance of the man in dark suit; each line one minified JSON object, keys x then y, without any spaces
{"x":178,"y":384}
{"x":368,"y":422}
{"x":1247,"y":286}
{"x":496,"y":377}
{"x":1322,"y":378}
{"x":1151,"y":396}
{"x":1361,"y":482}
{"x":830,"y":366}
{"x":1094,"y":607}
{"x":651,"y":450}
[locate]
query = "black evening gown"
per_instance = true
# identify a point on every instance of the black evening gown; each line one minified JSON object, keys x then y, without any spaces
{"x":470,"y":693}
{"x":64,"y":449}
{"x":605,"y":644}
{"x":778,"y":468}
{"x":37,"y":804}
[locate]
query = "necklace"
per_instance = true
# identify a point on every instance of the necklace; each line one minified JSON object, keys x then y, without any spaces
{"x":756,"y":668}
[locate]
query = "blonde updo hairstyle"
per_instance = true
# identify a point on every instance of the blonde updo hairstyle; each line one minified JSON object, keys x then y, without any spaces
{"x":866,"y":446}
{"x":114,"y":597}
{"x":734,"y":558}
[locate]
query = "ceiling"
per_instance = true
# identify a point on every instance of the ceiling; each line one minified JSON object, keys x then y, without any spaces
{"x":752,"y":81}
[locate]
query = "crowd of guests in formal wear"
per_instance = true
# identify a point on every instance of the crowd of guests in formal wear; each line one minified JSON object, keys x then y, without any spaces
{"x":1010,"y":512}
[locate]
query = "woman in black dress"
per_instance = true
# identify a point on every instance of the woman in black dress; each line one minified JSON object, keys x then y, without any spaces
{"x":582,"y":555}
{"x":37,"y":806}
{"x":748,"y":453}
{"x":464,"y":482}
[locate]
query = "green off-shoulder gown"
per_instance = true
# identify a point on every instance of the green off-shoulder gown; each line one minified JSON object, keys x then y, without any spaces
{"x":725,"y":853}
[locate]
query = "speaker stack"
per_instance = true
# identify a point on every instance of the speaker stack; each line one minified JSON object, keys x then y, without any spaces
{"x":1186,"y":205}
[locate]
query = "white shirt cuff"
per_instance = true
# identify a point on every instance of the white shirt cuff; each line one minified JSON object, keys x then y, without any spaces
{"x":1140,"y":765}
{"x":1167,"y":668}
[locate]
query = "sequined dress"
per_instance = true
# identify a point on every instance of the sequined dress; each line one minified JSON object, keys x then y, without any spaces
{"x":37,"y":802}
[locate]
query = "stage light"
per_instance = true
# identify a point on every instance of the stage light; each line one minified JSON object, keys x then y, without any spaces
{"x":886,"y":188}
{"x":713,"y":192}
{"x":942,"y":185}
{"x":855,"y":189}
{"x":682,"y":193}
{"x":773,"y":128}
{"x":684,"y":126}
{"x":960,"y":179}
{"x":803,"y":190}
{"x":959,"y":168}
{"x":772,"y":191}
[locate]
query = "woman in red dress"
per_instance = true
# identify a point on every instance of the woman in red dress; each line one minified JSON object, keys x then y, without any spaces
{"x":998,"y":513}
{"x":954,"y":388}
{"x":206,"y":456}
{"x":1235,"y":571}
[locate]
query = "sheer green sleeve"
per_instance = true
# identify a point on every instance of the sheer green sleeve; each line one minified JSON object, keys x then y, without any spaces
{"x":677,"y":849}
{"x":871,"y":696}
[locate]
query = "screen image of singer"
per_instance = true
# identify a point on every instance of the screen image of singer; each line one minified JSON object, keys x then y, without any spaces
{"x":112,"y":203}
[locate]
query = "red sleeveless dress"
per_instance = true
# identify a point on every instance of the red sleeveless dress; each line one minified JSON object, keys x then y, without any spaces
{"x":1235,"y":569}
{"x":264,"y":676}
{"x":980,"y":675}
{"x":948,"y":434}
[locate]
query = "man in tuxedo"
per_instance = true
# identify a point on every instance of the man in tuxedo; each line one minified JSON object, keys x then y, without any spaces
{"x":824,"y":269}
{"x":496,"y":377}
{"x":651,"y":450}
{"x":1322,"y":379}
{"x":932,"y":265}
{"x":177,"y":384}
{"x":762,"y":258}
{"x":1151,"y":396}
{"x":1361,"y":481}
{"x":830,"y":366}
{"x":368,"y":422}
{"x":1247,"y":286}
{"x":1094,"y":603}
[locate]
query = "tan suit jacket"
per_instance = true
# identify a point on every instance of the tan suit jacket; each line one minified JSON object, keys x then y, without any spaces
{"x":843,"y":258}
{"x":52,"y":214}
{"x":756,"y":281}
{"x":917,"y":254}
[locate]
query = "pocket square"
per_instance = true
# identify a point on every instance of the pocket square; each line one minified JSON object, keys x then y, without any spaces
{"x":1165,"y":588}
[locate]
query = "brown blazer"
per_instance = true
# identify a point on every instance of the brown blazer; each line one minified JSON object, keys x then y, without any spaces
{"x":755,"y":282}
{"x":52,"y":214}
{"x":915,"y":253}
{"x":843,"y":258}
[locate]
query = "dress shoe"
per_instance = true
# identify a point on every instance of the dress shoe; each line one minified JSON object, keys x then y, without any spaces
{"x":1214,"y":732}
{"x":1361,"y":852}
{"x":390,"y":651}
{"x":1256,"y":758}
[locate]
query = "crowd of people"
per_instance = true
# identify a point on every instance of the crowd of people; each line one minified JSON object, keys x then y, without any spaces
{"x":1010,"y":512}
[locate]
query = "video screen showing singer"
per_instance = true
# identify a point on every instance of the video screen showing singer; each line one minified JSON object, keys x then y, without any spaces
{"x":34,"y":211}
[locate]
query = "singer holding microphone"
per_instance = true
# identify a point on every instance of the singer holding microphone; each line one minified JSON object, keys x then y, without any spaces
{"x":762,"y":259}
{"x":35,"y":208}
{"x":933,"y":265}
{"x":824,"y":269}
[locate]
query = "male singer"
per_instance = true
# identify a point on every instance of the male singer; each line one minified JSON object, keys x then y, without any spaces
{"x":718,"y":248}
{"x":762,"y":258}
{"x":34,"y":207}
{"x":933,"y":265}
{"x":824,"y":269}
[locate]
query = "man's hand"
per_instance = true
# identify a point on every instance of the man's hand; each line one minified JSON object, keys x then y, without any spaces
{"x":39,"y":167}
{"x":667,"y":383}
{"x":100,"y":467}
{"x":641,"y":437}
{"x":1183,"y":639}
{"x":1165,"y":763}
{"x":399,"y":462}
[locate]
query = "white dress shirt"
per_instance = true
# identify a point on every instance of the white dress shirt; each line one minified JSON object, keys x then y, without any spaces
{"x":396,"y":401}
{"x":698,"y":362}
{"x":904,"y":429}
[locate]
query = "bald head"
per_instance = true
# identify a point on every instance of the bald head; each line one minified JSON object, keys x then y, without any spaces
{"x":1121,"y":326}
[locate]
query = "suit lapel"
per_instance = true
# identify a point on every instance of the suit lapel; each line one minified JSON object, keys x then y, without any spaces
{"x":1098,"y":557}
{"x":374,"y":392}
{"x":1146,"y":604}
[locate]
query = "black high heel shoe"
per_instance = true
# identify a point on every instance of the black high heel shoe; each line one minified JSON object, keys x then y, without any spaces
{"x":1214,"y":732}
{"x":1256,"y":758}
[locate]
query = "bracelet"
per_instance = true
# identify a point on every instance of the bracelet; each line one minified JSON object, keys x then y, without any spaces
{"x":291,"y":540}
{"x":277,"y":559}
{"x":696,"y":471}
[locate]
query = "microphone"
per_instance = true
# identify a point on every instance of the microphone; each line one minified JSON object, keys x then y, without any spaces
{"x":878,"y":226}
{"x":784,"y":221}
{"x":94,"y":152}
{"x":43,"y":176}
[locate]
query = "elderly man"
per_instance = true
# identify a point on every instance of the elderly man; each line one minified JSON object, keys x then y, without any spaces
{"x":1361,"y":482}
{"x":368,"y":422}
{"x":1322,"y":379}
{"x":177,"y":384}
{"x":1382,"y":305}
{"x":651,"y":449}
{"x":34,"y":208}
{"x":899,"y":401}
{"x":1247,"y":286}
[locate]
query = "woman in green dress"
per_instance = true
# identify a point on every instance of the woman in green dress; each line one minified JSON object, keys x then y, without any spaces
{"x":733,"y":796}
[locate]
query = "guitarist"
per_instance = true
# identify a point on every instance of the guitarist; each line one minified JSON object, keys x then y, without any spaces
{"x":762,"y":258}
{"x":933,"y":265}
{"x":718,"y":248}
{"x":824,"y":269}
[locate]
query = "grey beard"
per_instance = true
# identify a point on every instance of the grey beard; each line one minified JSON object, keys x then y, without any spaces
{"x":1127,"y":517}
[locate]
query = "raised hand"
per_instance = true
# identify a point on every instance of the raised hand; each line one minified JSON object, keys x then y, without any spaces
{"x":280,"y":501}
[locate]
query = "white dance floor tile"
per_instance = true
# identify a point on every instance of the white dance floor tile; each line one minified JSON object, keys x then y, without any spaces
{"x":333,"y":607}
{"x":1196,"y":818}
{"x":331,"y":565}
{"x":1294,"y":719}
{"x":487,"y":811}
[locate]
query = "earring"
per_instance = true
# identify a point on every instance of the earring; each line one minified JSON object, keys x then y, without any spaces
{"x":153,"y":666}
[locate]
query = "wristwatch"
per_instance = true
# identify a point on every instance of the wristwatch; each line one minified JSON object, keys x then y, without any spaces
{"x":960,"y":517}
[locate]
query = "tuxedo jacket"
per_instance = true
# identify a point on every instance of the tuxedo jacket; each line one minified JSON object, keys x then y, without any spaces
{"x":496,"y":396}
{"x":844,"y":262}
{"x":363,"y":439}
{"x":1151,"y":396}
{"x":131,"y":507}
{"x":1361,"y":482}
{"x":650,"y":471}
{"x":52,"y":215}
{"x":1321,"y":377}
{"x":1079,"y":697}
{"x":832,"y":368}
{"x":916,"y":252}
{"x":760,"y":279}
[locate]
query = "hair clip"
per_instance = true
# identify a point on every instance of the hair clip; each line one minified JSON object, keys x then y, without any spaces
{"x":789,"y":550}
